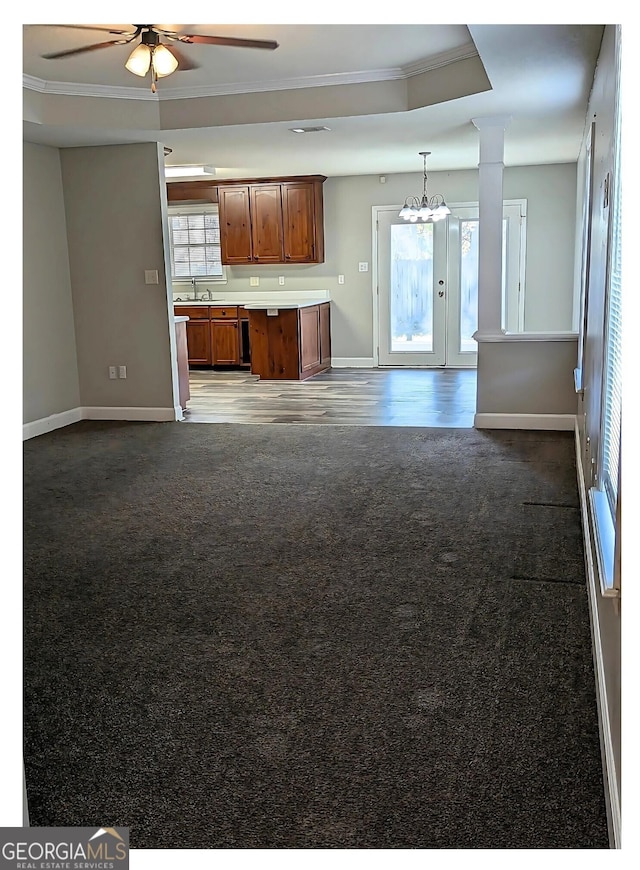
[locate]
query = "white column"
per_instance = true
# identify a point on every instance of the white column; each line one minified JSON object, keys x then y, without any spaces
{"x":491,"y":170}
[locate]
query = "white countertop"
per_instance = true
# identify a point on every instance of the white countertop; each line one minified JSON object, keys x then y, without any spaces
{"x":280,"y":303}
{"x":264,"y":300}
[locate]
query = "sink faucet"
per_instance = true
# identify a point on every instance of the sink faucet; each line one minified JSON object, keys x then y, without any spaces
{"x":208,"y":297}
{"x":195,"y":289}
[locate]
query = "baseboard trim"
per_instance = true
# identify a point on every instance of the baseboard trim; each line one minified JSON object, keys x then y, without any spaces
{"x":553,"y":422}
{"x":48,"y":424}
{"x":352,"y":362}
{"x":144,"y":415}
{"x":614,"y":815}
{"x":66,"y":418}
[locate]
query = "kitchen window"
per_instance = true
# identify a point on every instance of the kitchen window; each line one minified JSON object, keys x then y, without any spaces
{"x":194,"y":235}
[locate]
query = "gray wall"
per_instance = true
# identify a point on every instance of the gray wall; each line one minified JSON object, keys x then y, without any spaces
{"x":50,"y":370}
{"x":113,"y":200}
{"x":527,"y":377}
{"x":348,"y":202}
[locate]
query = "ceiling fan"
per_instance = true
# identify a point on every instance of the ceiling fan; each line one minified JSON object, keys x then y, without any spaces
{"x":153,"y":56}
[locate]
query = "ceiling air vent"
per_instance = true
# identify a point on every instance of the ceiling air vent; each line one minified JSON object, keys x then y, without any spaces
{"x":308,"y":129}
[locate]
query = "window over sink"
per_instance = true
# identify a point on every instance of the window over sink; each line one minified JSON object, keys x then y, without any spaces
{"x":194,"y":239}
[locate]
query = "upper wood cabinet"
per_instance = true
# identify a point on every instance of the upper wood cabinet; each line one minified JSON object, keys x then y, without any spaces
{"x":265,"y":207}
{"x":272,"y":222}
{"x":303,"y":222}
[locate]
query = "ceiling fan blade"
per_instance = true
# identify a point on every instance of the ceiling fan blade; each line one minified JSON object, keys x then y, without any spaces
{"x":93,"y":47}
{"x":87,"y":27}
{"x":184,"y":63}
{"x":224,"y":40}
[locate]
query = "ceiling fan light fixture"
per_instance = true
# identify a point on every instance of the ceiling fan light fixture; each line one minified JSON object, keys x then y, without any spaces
{"x":139,"y":60}
{"x":164,"y":62}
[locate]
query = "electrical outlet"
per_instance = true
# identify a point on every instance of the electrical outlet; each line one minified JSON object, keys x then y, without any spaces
{"x":122,"y":372}
{"x":281,"y":280}
{"x":150,"y":276}
{"x":340,"y":279}
{"x":363,"y":267}
{"x":113,"y":372}
{"x":254,"y":282}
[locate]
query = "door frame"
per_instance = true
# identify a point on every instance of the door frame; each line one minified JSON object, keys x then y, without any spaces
{"x":376,"y":210}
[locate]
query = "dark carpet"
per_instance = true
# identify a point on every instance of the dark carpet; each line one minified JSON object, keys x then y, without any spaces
{"x":309,"y":637}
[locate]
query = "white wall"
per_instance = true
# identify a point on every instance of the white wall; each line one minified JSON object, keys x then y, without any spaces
{"x":50,"y":370}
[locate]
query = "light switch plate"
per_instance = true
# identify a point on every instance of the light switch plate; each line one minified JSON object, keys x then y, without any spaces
{"x":281,"y":280}
{"x":340,"y":279}
{"x":150,"y":276}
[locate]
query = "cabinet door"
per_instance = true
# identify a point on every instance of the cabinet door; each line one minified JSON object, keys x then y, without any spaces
{"x":235,"y":224}
{"x":225,"y":348}
{"x":325,"y":335}
{"x":309,"y":337}
{"x":199,"y":342}
{"x":300,"y":222}
{"x":266,"y":223}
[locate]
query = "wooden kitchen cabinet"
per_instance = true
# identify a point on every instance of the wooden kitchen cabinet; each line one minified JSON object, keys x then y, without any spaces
{"x":235,"y":225}
{"x":292,"y":345}
{"x":272,"y":222}
{"x":198,"y":333}
{"x":215,"y":336}
{"x":303,"y":222}
{"x":309,"y":338}
{"x":225,"y":342}
{"x":266,"y":223}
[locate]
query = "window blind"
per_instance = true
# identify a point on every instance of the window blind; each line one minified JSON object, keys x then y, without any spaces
{"x":195,"y":245}
{"x":612,"y":393}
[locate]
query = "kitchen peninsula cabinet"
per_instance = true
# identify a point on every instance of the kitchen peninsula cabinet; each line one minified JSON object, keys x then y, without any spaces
{"x":293,"y":344}
{"x":272,"y":223}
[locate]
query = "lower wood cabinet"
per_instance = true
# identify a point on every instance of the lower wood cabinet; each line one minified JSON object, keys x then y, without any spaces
{"x":199,"y":342}
{"x":216,"y":336}
{"x":292,"y":345}
{"x":225,"y":347}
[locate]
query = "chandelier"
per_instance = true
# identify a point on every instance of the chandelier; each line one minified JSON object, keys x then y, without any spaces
{"x":428,"y":209}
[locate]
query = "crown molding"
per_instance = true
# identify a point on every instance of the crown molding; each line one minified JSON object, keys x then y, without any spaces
{"x":439,"y":60}
{"x":72,"y":89}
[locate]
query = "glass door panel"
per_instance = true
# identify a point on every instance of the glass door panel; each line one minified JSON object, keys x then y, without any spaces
{"x":411,"y":299}
{"x":468,"y":285}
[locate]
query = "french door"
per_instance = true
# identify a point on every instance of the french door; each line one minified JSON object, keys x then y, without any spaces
{"x":427,"y":298}
{"x":428,"y":286}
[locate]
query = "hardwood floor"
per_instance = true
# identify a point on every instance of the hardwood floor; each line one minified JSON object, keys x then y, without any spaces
{"x":444,"y":398}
